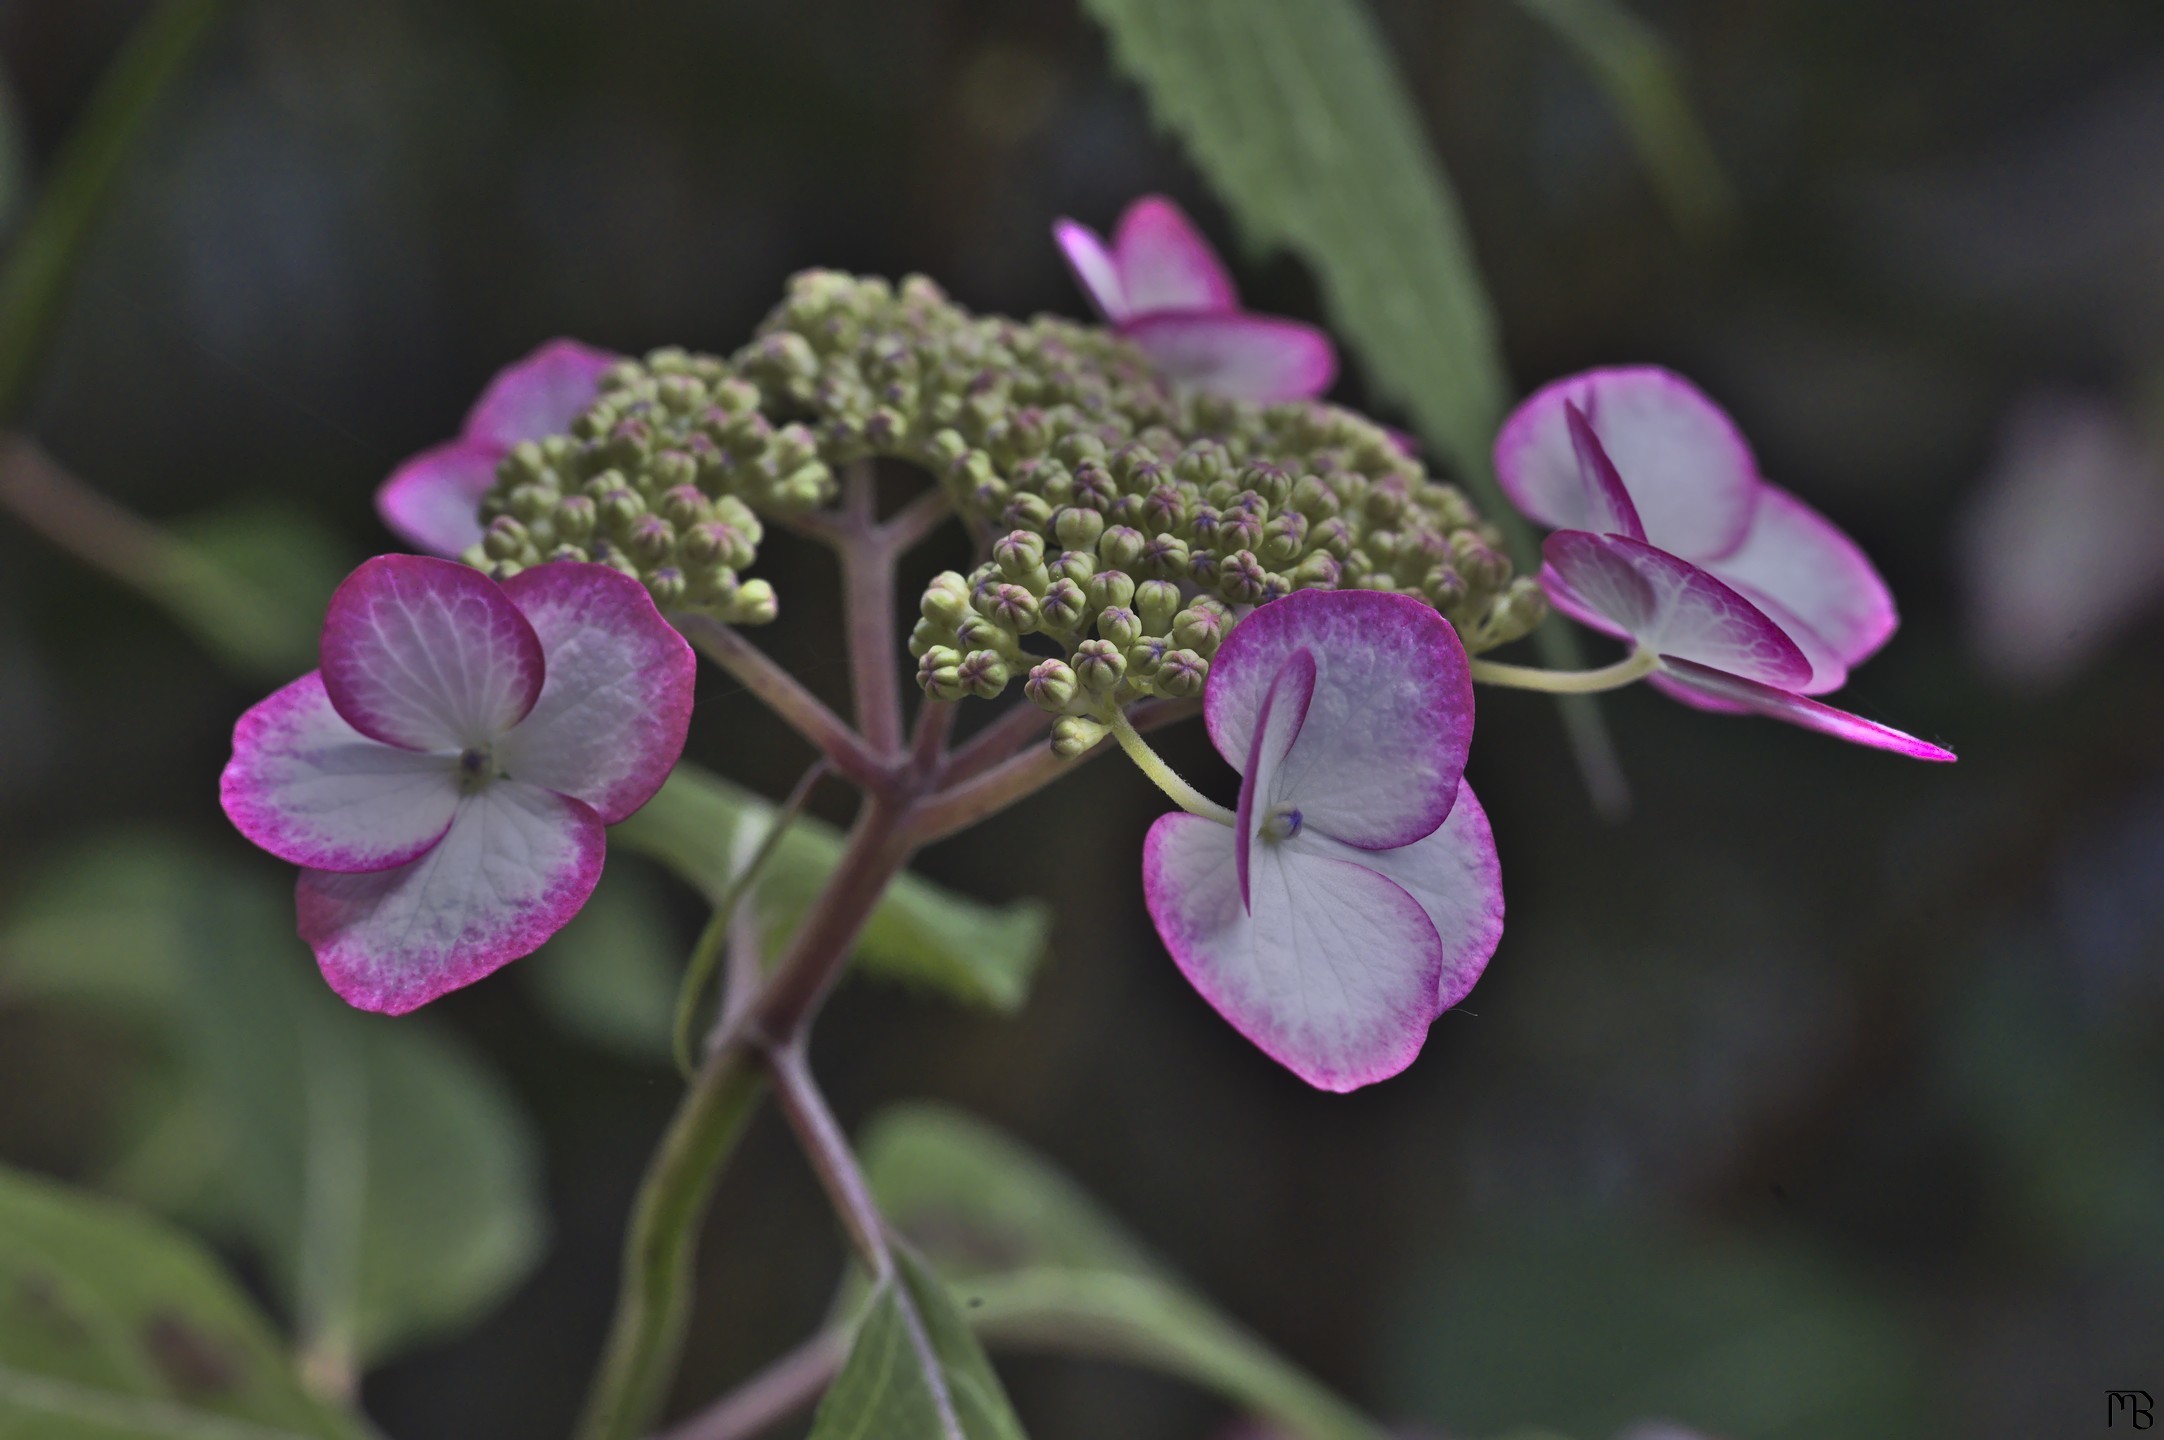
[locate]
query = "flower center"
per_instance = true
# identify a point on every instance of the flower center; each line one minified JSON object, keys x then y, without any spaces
{"x":1281,"y":823}
{"x":476,"y":767}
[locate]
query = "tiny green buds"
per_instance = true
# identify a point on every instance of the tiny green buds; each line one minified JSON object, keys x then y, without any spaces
{"x":1052,"y":684}
{"x":1074,"y":735}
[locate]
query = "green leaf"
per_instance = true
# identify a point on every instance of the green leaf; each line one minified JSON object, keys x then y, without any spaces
{"x":383,"y":1173}
{"x":885,"y":1390}
{"x":1634,"y":66}
{"x":921,"y":933}
{"x":116,"y":1327}
{"x":1039,"y":1265}
{"x":610,"y":976}
{"x":252,"y":582}
{"x":1294,"y":112}
{"x":42,"y":261}
{"x":12,"y":158}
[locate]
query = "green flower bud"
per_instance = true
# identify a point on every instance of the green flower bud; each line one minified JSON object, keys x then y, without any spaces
{"x":1018,"y":553}
{"x":1108,"y":588}
{"x":1099,"y":665}
{"x":755,"y":604}
{"x":1181,"y":675}
{"x":1119,"y":625}
{"x":1075,"y":565}
{"x":925,"y":634}
{"x":1166,"y":509}
{"x":651,"y":541}
{"x":1010,"y":607}
{"x":1241,"y":577}
{"x":1051,"y":685}
{"x":1028,"y":512}
{"x":1075,"y":735}
{"x":1063,"y":607}
{"x":1145,"y":656}
{"x":530,"y":502}
{"x":575,"y":516}
{"x":667,"y":587}
{"x":1444,"y":587}
{"x":939,"y":673}
{"x":1077,"y":528}
{"x":621,"y":509}
{"x":1284,"y":537}
{"x":1199,"y":630}
{"x":946,"y":599}
{"x":1120,"y":547}
{"x":505,"y":539}
{"x":1156,"y":602}
{"x":1313,"y":498}
{"x":1482,"y":567}
{"x":983,"y":673}
{"x":1164,"y":557}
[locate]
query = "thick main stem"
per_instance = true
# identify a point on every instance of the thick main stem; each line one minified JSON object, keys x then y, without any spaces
{"x":867,"y":560}
{"x":647,"y":1332}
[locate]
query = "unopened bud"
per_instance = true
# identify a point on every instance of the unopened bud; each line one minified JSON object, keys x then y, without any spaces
{"x":1018,"y":553}
{"x":946,"y":599}
{"x":1074,"y":735}
{"x":1108,"y":588}
{"x":1181,"y":675}
{"x":1051,"y":685}
{"x":1063,"y":607}
{"x":1120,"y":547}
{"x":1099,"y":665}
{"x":983,"y":673}
{"x":1077,"y":528}
{"x":939,"y":673}
{"x":1156,"y":602}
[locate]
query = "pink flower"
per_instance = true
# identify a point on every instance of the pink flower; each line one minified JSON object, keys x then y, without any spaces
{"x":433,"y":501}
{"x":1358,"y":895}
{"x":445,"y":777}
{"x":1161,"y":285}
{"x":1668,"y":537}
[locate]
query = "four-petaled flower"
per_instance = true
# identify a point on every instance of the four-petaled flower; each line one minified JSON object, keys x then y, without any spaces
{"x":1357,"y":896}
{"x":433,"y":501}
{"x":1161,"y":286}
{"x":445,"y":777}
{"x":1667,"y":536}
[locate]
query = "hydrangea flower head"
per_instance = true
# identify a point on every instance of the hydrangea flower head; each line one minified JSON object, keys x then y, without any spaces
{"x":433,"y":501}
{"x":1668,"y":537}
{"x":1160,"y":285}
{"x":445,"y":777}
{"x":1357,"y":896}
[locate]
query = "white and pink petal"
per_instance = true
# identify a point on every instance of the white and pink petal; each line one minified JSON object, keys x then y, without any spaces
{"x":1165,"y":263}
{"x":1801,"y":562}
{"x":1277,"y":726}
{"x":517,"y":863}
{"x":428,"y":654}
{"x":1335,"y":972}
{"x":1094,"y":269}
{"x":1668,"y":606}
{"x":1383,"y":741}
{"x":1690,"y":474}
{"x":615,"y":705}
{"x":433,"y":501}
{"x":1261,"y":358}
{"x":311,"y":789}
{"x":1736,"y":692}
{"x":538,"y":395}
{"x":1456,"y":878}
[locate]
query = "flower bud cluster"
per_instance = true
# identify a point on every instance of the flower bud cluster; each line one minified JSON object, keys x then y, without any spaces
{"x":1130,"y":520}
{"x":663,"y":478}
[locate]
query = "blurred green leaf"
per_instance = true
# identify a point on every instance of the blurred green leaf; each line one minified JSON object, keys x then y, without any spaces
{"x":115,"y":1327}
{"x":921,"y":933}
{"x":1040,"y":1265}
{"x":883,"y":1389}
{"x":385,"y":1175}
{"x":1635,"y":67}
{"x":13,"y":160}
{"x":41,"y":262}
{"x":1295,"y":112}
{"x":255,"y":583}
{"x":610,"y":976}
{"x":1586,"y":1325}
{"x":2071,"y":1113}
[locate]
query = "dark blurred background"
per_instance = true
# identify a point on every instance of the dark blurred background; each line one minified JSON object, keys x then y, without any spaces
{"x":1822,"y":1095}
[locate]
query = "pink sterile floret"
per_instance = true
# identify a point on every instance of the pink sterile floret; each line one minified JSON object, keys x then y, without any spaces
{"x":1161,"y":285}
{"x":1668,"y":537}
{"x":433,"y":500}
{"x":444,"y":779}
{"x":1357,"y":896}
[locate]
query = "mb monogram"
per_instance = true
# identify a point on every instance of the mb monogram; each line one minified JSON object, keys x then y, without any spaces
{"x":2133,"y":1406}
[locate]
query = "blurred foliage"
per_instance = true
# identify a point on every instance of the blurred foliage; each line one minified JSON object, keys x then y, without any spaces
{"x":376,"y":1166}
{"x":610,"y":976}
{"x":1638,"y":72}
{"x":921,"y":934}
{"x":115,"y":1327}
{"x":1589,"y":1326}
{"x":1040,"y":1266}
